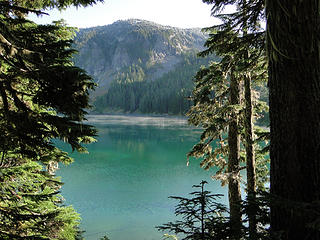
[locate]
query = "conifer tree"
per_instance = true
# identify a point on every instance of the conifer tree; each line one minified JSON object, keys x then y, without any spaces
{"x":249,"y":136}
{"x":293,"y":76}
{"x":234,"y":44}
{"x":42,"y":98}
{"x":203,"y":218}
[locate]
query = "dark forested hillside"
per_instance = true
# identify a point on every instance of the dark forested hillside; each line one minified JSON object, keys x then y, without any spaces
{"x":140,"y":66}
{"x":166,"y":94}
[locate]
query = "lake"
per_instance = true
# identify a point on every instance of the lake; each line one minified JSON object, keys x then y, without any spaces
{"x":121,"y":187}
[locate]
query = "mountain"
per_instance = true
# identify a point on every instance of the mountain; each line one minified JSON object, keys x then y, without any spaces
{"x":140,"y":66}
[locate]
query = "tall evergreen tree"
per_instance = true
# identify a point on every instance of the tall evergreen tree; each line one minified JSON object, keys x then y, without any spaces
{"x":293,"y":57}
{"x":240,"y":43}
{"x":249,"y":135}
{"x":216,"y":108}
{"x":42,"y":98}
{"x":294,"y":73}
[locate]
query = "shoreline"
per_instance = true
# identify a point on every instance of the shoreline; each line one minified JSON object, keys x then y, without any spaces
{"x":138,"y":119}
{"x":137,"y":115}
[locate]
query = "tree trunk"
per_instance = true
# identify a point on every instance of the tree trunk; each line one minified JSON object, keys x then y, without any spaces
{"x":233,"y":162}
{"x":203,"y":207}
{"x":293,"y":44}
{"x":250,"y":156}
{"x":249,"y":141}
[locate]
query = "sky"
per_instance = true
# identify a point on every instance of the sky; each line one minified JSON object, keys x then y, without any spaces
{"x":175,"y":13}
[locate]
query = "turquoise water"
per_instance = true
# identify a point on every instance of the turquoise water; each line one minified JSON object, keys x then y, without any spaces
{"x":121,"y":188}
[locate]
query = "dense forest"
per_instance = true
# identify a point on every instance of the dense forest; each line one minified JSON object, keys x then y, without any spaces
{"x":131,"y":92}
{"x":44,"y":96}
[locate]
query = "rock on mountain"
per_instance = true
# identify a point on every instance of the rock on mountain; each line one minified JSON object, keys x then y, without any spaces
{"x":107,"y":51}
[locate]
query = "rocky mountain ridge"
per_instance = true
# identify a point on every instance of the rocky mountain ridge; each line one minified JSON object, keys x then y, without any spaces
{"x":107,"y":51}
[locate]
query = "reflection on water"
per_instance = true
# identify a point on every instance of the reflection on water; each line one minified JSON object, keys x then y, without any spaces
{"x":121,"y":188}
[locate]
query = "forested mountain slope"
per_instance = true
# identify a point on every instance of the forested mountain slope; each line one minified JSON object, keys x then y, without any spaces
{"x":140,"y":66}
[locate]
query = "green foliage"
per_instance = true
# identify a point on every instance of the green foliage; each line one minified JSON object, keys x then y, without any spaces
{"x":30,"y":204}
{"x":42,"y":98}
{"x":44,"y":4}
{"x":226,"y":106}
{"x":168,"y":236}
{"x":212,"y":109}
{"x":131,"y":90}
{"x":213,"y":112}
{"x":201,"y":216}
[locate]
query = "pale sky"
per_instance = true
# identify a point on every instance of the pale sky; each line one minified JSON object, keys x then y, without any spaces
{"x":176,"y":13}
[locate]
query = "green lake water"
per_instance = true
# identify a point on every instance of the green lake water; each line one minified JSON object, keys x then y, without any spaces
{"x":121,"y":187}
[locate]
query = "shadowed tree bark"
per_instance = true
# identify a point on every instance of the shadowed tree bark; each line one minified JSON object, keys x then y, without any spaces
{"x":293,"y":44}
{"x":234,"y":162}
